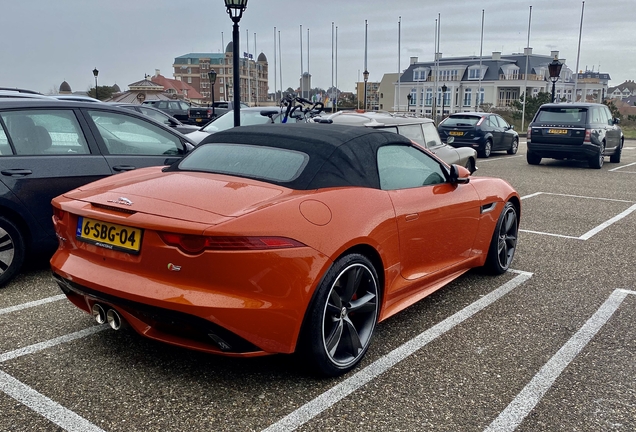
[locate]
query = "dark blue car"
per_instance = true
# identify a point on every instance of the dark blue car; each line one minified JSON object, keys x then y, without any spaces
{"x":485,"y":132}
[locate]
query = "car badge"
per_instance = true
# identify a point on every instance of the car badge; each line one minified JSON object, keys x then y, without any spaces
{"x":173,"y":267}
{"x":122,"y":200}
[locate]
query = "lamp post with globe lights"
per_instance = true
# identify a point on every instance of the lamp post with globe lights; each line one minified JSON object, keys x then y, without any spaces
{"x":95,"y":73}
{"x":554,"y":68}
{"x":212,"y":77}
{"x":365,"y":74}
{"x":235,"y":9}
{"x":444,"y":89}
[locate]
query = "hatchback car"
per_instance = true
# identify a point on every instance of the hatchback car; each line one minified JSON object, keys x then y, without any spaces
{"x":419,"y":129}
{"x":50,"y":146}
{"x":485,"y":132}
{"x":280,"y":239}
{"x":580,"y":131}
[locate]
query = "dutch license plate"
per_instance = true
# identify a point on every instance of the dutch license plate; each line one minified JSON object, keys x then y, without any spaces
{"x":456,"y":133}
{"x":558,"y":131}
{"x":199,"y":120}
{"x":109,"y":235}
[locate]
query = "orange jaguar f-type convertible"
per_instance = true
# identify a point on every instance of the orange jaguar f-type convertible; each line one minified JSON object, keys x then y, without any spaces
{"x":279,"y":239}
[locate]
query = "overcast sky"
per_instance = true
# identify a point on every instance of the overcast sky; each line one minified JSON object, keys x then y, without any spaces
{"x":44,"y":42}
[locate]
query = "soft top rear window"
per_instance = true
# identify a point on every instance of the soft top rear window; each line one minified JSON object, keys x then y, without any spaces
{"x":562,"y":115}
{"x":461,"y":120}
{"x":259,"y":162}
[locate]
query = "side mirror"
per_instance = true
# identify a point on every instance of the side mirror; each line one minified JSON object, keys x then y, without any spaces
{"x":617,"y":120}
{"x":170,"y":161}
{"x":459,"y":174}
{"x":512,"y":127}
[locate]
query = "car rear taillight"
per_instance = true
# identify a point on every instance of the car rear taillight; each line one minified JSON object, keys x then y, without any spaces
{"x":529,"y":134}
{"x":481,"y":120}
{"x":58,"y":214}
{"x":209,"y":113}
{"x":189,"y":113}
{"x":193,"y":244}
{"x":588,"y":136}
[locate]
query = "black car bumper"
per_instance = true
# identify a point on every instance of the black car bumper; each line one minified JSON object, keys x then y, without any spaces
{"x":563,"y":151}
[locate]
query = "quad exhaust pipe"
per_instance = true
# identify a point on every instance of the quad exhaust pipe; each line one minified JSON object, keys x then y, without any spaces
{"x":115,"y":321}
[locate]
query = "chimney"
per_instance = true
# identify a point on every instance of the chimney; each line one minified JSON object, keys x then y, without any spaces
{"x":496,"y":55}
{"x":413,"y":60}
{"x":527,"y":51}
{"x":554,"y":54}
{"x":157,"y":72}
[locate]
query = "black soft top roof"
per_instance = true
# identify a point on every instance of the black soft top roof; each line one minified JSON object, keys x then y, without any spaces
{"x":339,"y":155}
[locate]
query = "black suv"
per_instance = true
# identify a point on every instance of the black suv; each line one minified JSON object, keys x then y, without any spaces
{"x":580,"y":131}
{"x":49,"y":146}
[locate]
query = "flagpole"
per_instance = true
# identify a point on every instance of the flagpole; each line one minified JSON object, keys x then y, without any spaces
{"x":481,"y":53}
{"x":525,"y":85}
{"x":247,"y":61}
{"x":434,"y":101}
{"x":578,"y":55}
{"x":332,"y":63}
{"x":336,"y":101}
{"x":280,"y":65}
{"x":399,"y":65}
{"x":256,"y":66}
{"x":308,"y":75}
{"x":302,"y":83}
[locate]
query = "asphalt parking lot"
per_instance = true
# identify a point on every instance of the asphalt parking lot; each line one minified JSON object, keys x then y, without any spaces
{"x":550,"y":346}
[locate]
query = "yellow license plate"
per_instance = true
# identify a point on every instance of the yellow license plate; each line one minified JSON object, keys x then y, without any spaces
{"x":456,"y":133}
{"x":199,"y":120}
{"x":558,"y":131}
{"x":108,"y":235}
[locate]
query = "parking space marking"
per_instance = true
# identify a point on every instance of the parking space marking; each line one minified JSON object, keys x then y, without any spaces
{"x":44,"y":406}
{"x":594,"y":230}
{"x":51,"y":343}
{"x":324,"y":401}
{"x":511,"y":417}
{"x":623,"y":166}
{"x":32,"y":304}
{"x":500,"y":158}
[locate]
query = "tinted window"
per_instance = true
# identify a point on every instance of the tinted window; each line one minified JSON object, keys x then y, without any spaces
{"x":431,"y":135}
{"x":492,"y":122}
{"x":5,"y":148}
{"x":264,"y":163}
{"x":461,"y":120}
{"x":226,"y":121}
{"x":157,"y":115}
{"x":37,"y":132}
{"x":125,"y":135}
{"x":412,"y":132}
{"x":562,"y":115}
{"x":405,"y":167}
{"x":607,"y":115}
{"x":501,"y":121}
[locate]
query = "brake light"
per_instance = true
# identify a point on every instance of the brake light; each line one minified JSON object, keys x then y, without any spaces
{"x":58,"y":214}
{"x":193,"y":244}
{"x":529,"y":134}
{"x":189,"y":113}
{"x":588,"y":136}
{"x":209,"y":113}
{"x":481,"y":120}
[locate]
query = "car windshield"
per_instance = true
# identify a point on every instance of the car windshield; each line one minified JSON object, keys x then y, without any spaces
{"x":226,"y":121}
{"x":260,"y":162}
{"x":562,"y":115}
{"x":461,"y":120}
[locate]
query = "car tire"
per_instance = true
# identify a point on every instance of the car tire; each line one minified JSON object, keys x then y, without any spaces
{"x":616,"y":157}
{"x":533,"y":159}
{"x":514,"y":147}
{"x":12,"y":250}
{"x":504,"y":241}
{"x":596,"y":162}
{"x":470,"y":165}
{"x":486,"y":149}
{"x":341,"y":319}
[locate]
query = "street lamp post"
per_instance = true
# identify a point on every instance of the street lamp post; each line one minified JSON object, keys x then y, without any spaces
{"x":444,"y":89}
{"x":235,"y":10}
{"x":555,"y":70}
{"x":365,"y":74}
{"x":212,"y":77}
{"x":95,"y":73}
{"x":408,"y":105}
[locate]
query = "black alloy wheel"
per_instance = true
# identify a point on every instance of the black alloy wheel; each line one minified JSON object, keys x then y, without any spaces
{"x":12,"y":250}
{"x":342,"y":317}
{"x":514,"y":147}
{"x":504,"y":241}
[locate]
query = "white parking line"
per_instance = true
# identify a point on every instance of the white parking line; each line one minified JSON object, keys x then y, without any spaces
{"x":622,"y":166}
{"x":314,"y":407}
{"x":499,"y":158}
{"x":607,"y":223}
{"x":32,"y":304}
{"x":527,"y":399}
{"x":44,"y":406}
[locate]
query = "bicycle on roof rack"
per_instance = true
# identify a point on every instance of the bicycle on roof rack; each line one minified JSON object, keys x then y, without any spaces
{"x":299,"y":109}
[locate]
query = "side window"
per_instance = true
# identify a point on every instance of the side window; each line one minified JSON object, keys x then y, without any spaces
{"x":157,"y":115}
{"x":492,"y":121}
{"x":162,"y":105}
{"x":608,"y":115}
{"x":596,"y":116}
{"x":44,"y":132}
{"x":405,"y":167}
{"x":5,"y":148}
{"x":501,"y":121}
{"x":431,"y":135}
{"x":184,"y":106}
{"x":412,"y":132}
{"x":126,"y":135}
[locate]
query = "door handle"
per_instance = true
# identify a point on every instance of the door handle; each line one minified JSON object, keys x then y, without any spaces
{"x":412,"y":217}
{"x":18,"y":172}
{"x":120,"y":168}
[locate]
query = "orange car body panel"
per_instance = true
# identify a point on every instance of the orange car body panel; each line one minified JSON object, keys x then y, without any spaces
{"x":261,"y":296}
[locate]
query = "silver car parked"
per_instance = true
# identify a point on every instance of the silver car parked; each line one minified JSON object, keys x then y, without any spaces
{"x":419,"y":129}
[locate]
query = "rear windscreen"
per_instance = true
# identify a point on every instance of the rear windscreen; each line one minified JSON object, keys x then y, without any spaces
{"x":461,"y":120}
{"x":562,"y":115}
